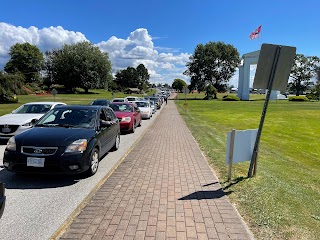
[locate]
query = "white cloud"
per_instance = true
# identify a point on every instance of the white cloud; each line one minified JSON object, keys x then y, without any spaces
{"x":44,"y":39}
{"x":139,"y":48}
{"x":163,"y":63}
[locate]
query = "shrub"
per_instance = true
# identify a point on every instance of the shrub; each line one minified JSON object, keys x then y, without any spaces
{"x":230,"y":98}
{"x":298,"y":98}
{"x":208,"y":97}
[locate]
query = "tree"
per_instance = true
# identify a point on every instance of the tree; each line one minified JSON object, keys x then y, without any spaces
{"x":133,"y":78}
{"x":127,"y":78}
{"x":11,"y":85}
{"x":215,"y":63}
{"x":26,"y":59}
{"x":143,"y":77}
{"x":211,"y":91}
{"x":79,"y":65}
{"x":179,"y":84}
{"x":303,"y":69}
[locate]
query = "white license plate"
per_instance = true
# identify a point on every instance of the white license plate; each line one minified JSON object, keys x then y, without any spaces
{"x":35,"y":162}
{"x":6,"y":130}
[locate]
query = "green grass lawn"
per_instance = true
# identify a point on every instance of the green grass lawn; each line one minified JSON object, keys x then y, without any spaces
{"x":66,"y":98}
{"x":283,"y":200}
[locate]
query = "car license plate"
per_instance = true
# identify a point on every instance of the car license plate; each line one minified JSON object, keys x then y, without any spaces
{"x":6,"y":130}
{"x":35,"y":162}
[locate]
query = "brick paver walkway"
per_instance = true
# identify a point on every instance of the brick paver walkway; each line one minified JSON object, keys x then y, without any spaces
{"x":164,"y":189}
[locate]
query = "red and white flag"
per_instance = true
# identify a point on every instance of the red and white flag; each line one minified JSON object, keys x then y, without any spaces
{"x":255,"y":34}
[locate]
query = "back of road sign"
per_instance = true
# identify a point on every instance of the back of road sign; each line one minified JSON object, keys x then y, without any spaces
{"x":283,"y":66}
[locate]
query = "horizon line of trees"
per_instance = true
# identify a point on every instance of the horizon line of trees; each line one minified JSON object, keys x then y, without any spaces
{"x":84,"y":65}
{"x":80,"y":65}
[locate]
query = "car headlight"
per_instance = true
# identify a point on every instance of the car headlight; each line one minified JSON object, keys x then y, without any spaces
{"x":77,"y":146}
{"x":11,"y":144}
{"x":29,"y":124}
{"x":126,"y":119}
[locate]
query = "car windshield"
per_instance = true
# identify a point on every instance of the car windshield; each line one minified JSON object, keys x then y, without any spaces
{"x":33,"y":108}
{"x":142,"y":104}
{"x":130,"y":99}
{"x":80,"y":118}
{"x":121,"y":107}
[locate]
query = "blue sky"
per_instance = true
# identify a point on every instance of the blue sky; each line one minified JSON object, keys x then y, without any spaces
{"x":159,"y":34}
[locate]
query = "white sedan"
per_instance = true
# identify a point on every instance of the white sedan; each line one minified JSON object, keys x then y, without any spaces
{"x":145,"y":109}
{"x":20,"y":119}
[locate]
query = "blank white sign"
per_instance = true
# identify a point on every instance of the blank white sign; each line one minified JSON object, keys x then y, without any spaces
{"x":244,"y":141}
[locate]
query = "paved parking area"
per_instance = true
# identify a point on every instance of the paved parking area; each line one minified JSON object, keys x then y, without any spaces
{"x":163,"y":189}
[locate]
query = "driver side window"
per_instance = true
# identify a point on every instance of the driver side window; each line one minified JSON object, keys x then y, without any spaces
{"x":103,"y":115}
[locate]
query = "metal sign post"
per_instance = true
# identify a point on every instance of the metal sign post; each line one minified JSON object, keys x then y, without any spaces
{"x":274,"y":64}
{"x":54,"y":92}
{"x":185,"y":91}
{"x":233,"y":133}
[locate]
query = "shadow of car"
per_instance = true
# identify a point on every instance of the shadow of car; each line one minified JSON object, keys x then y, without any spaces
{"x":68,"y":139}
{"x":2,"y":198}
{"x":21,"y":118}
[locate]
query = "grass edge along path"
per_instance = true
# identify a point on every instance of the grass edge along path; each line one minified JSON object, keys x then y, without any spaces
{"x":282,"y":201}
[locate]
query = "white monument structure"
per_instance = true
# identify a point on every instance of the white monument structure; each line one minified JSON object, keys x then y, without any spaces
{"x":244,"y":77}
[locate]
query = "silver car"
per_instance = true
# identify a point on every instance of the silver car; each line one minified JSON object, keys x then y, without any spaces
{"x":21,"y":118}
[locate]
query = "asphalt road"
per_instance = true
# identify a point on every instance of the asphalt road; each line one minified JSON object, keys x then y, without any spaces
{"x":38,"y":205}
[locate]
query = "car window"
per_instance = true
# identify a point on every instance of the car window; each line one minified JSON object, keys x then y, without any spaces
{"x":142,"y":104}
{"x":103,"y":115}
{"x":110,"y":114}
{"x":33,"y":108}
{"x":83,"y":118}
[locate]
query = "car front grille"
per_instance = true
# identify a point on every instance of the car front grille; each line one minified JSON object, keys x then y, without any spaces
{"x":12,"y":128}
{"x":38,"y":151}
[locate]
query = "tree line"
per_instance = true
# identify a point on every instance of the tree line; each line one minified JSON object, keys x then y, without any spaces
{"x":81,"y":65}
{"x":84,"y":65}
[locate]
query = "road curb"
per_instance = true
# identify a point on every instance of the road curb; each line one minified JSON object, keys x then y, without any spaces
{"x":64,"y":226}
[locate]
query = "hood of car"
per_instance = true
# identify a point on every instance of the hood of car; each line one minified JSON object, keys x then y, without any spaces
{"x":18,"y":118}
{"x":41,"y":136}
{"x":144,"y":108}
{"x":123,"y":114}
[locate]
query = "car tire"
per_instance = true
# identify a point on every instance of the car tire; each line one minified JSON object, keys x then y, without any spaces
{"x":117,"y":143}
{"x":133,"y":127}
{"x":93,"y":162}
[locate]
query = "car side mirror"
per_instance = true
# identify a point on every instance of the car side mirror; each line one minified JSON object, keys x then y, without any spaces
{"x":2,"y":198}
{"x":34,"y":121}
{"x":104,"y":123}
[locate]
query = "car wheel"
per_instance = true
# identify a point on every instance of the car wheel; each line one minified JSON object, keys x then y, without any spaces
{"x":94,"y":162}
{"x":117,"y":143}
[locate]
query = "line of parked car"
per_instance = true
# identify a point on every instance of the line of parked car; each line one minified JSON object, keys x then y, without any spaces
{"x":53,"y":137}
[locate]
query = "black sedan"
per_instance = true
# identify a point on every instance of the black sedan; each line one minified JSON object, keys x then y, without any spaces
{"x":67,"y":139}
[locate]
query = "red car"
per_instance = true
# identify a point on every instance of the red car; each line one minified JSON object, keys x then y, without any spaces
{"x":128,"y":114}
